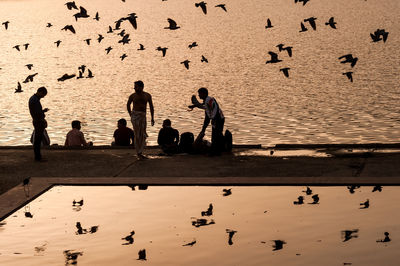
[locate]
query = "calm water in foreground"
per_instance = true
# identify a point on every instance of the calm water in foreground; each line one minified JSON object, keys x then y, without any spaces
{"x":316,"y":104}
{"x":240,"y":229}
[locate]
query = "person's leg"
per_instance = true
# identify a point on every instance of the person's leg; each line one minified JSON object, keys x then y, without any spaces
{"x":217,"y":137}
{"x":38,"y":142}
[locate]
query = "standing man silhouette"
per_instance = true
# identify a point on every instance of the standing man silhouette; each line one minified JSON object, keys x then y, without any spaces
{"x":139,"y":100}
{"x":39,"y":123}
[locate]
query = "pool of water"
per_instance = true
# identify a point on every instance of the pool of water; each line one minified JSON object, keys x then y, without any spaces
{"x":192,"y":225}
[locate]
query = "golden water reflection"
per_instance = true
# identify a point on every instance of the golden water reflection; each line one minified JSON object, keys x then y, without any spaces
{"x":192,"y":225}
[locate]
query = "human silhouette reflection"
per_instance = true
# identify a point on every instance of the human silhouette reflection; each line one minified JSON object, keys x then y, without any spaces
{"x":386,"y":239}
{"x":143,"y":187}
{"x":209,"y":211}
{"x":202,"y":222}
{"x":300,"y":200}
{"x":278,"y":244}
{"x":129,"y":238}
{"x":81,"y":230}
{"x":349,"y":234}
{"x":230,"y":235}
{"x":27,"y":211}
{"x":71,"y":258}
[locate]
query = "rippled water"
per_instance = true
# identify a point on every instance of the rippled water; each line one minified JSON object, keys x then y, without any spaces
{"x":316,"y":104}
{"x":162,"y":219}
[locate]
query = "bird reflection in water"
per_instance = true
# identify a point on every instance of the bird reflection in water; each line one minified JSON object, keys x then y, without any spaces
{"x":386,"y":239}
{"x":71,"y":258}
{"x":129,"y":238}
{"x":308,"y":191}
{"x":142,"y":254}
{"x":349,"y":234}
{"x":365,"y":204}
{"x":226,"y":192}
{"x":278,"y":244}
{"x":315,"y":199}
{"x":202,"y":222}
{"x":190,"y":243}
{"x":209,"y":211}
{"x":377,"y":188}
{"x":352,"y":188}
{"x":81,"y":230}
{"x":230,"y":235}
{"x":300,"y":200}
{"x":27,"y":211}
{"x":143,"y":187}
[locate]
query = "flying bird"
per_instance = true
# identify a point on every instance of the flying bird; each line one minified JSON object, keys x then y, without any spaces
{"x":19,"y":88}
{"x":108,"y":49}
{"x":123,"y":57}
{"x":269,"y":24}
{"x":186,"y":63}
{"x":222,"y":6}
{"x":6,"y":24}
{"x":132,"y":19}
{"x":81,"y":14}
{"x":303,"y":28}
{"x":49,"y":25}
{"x":349,"y":75}
{"x":299,"y":1}
{"x":70,"y":28}
{"x":71,"y":5}
{"x":110,"y":30}
{"x":287,"y":48}
{"x":122,"y":33}
{"x":331,"y":23}
{"x":65,"y":77}
{"x":16,"y":47}
{"x":29,"y":66}
{"x":274,"y":58}
{"x":90,"y":74}
{"x":87,"y":41}
{"x":311,"y":20}
{"x":172,"y":25}
{"x":100,"y":38}
{"x":379,"y":35}
{"x":57,"y":43}
{"x":96,"y":17}
{"x":193,"y":44}
{"x":348,"y":58}
{"x":162,"y":49}
{"x":26,"y":46}
{"x":365,"y":204}
{"x":125,"y":39}
{"x":285,"y":71}
{"x":141,"y":47}
{"x":203,"y":59}
{"x":203,"y":6}
{"x":29,"y":78}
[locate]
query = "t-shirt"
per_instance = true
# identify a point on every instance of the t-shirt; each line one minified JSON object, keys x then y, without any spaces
{"x":168,"y":135}
{"x":123,"y":136}
{"x":75,"y":138}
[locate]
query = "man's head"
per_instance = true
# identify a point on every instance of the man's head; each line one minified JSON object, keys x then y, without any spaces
{"x":122,"y":123}
{"x":166,"y":123}
{"x":203,"y":93}
{"x":76,"y":124}
{"x":41,"y":92}
{"x":139,"y":86}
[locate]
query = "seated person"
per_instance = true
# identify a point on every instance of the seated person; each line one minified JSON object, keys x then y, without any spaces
{"x":75,"y":136}
{"x":168,"y":138}
{"x":123,"y":136}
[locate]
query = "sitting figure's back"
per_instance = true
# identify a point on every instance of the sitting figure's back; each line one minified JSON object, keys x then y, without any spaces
{"x":168,"y":137}
{"x":123,"y":136}
{"x":75,"y":136}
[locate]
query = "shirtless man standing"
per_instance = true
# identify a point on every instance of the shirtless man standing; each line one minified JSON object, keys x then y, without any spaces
{"x":139,"y":101}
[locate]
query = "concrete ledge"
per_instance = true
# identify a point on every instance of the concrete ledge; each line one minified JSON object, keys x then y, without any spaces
{"x":17,"y":197}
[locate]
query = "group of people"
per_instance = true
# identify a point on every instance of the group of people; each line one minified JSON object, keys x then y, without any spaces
{"x":168,"y":137}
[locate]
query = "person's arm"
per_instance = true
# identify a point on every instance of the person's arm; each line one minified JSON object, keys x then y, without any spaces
{"x":66,"y":141}
{"x":160,"y":138}
{"x":83,"y":141}
{"x":151,"y":110}
{"x":176,"y":136}
{"x":205,"y":123}
{"x":128,"y":105}
{"x":132,"y":136}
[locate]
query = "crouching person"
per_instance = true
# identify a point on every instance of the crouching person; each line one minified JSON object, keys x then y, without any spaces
{"x":168,"y":138}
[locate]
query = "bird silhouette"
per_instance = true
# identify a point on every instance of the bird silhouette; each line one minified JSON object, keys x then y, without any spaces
{"x":377,"y":188}
{"x":28,"y":215}
{"x":172,"y":25}
{"x":352,"y":188}
{"x":331,"y":23}
{"x":203,"y":59}
{"x":77,"y":203}
{"x":19,"y":88}
{"x":141,"y":47}
{"x":186,"y":63}
{"x":129,"y":239}
{"x":348,"y":58}
{"x":311,"y":20}
{"x":132,"y":19}
{"x":300,"y":200}
{"x":278,"y":244}
{"x":142,"y":254}
{"x":70,"y":28}
{"x":287,"y":48}
{"x":285,"y":71}
{"x":349,"y":234}
{"x":230,"y":235}
{"x":17,"y":47}
{"x":96,"y":17}
{"x":49,"y":25}
{"x":162,"y":49}
{"x":100,"y":38}
{"x":122,"y":33}
{"x":193,"y":44}
{"x":349,"y":75}
{"x":209,"y":211}
{"x":123,"y":57}
{"x":303,"y":28}
{"x":29,"y":66}
{"x":65,"y":77}
{"x":29,"y":78}
{"x":190,"y":244}
{"x":80,"y":230}
{"x":110,"y":30}
{"x":80,"y":75}
{"x":90,"y":74}
{"x":386,"y":239}
{"x":303,"y":1}
{"x":315,"y":199}
{"x":71,"y":5}
{"x":81,"y":14}
{"x":82,"y":67}
{"x":365,"y":204}
{"x":125,"y":39}
{"x":202,"y":222}
{"x":226,"y":192}
{"x":108,"y":49}
{"x":269,"y":25}
{"x":203,"y":6}
{"x":26,"y":46}
{"x":57,"y":43}
{"x":6,"y":24}
{"x":87,"y":41}
{"x":379,"y":35}
{"x":274,"y":58}
{"x":222,"y":6}
{"x":308,"y":191}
